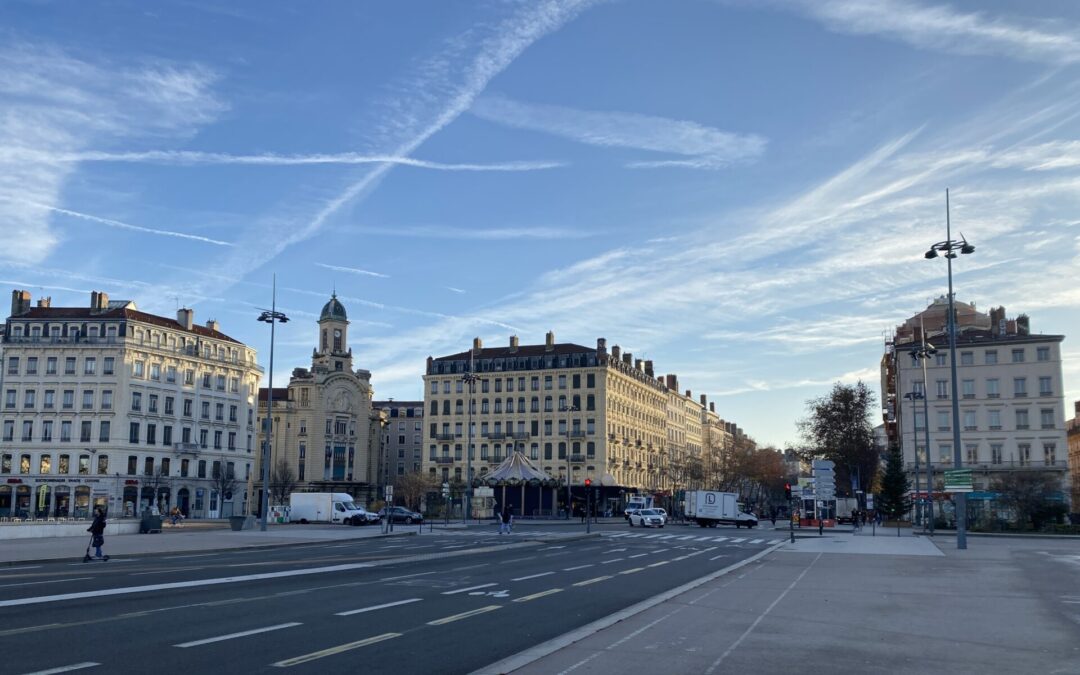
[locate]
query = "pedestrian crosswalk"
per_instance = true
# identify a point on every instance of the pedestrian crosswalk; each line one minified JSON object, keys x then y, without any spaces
{"x":678,"y":537}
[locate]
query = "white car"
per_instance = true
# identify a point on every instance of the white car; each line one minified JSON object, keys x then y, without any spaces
{"x":647,"y":518}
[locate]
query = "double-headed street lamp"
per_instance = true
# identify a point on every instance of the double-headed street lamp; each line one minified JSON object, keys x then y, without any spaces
{"x":270,"y":316}
{"x":569,"y":498}
{"x":922,"y":354}
{"x":469,"y":379}
{"x":949,"y":247}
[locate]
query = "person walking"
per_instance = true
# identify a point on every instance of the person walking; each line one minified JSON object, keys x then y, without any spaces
{"x":97,"y":528}
{"x":504,"y":521}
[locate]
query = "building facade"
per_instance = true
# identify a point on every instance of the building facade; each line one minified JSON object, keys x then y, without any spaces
{"x":106,"y":405}
{"x":402,"y":443}
{"x":1010,"y":385}
{"x":576,"y":412}
{"x":324,"y":428}
{"x":1073,"y":432}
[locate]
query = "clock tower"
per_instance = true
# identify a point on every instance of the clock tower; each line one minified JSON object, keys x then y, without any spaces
{"x":333,"y":351}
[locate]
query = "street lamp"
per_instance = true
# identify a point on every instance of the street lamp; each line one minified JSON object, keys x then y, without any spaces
{"x":469,"y":379}
{"x":949,"y":247}
{"x":922,"y":354}
{"x":270,"y":316}
{"x":569,"y":499}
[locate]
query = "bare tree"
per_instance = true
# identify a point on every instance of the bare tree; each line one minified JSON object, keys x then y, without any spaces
{"x":1031,"y":497}
{"x":412,"y":487}
{"x":283,"y":482}
{"x":224,"y":481}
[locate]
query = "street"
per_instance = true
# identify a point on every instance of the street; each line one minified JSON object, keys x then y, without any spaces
{"x":447,"y":602}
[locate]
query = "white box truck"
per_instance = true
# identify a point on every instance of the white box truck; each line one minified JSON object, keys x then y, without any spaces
{"x":709,"y":509}
{"x":328,"y":507}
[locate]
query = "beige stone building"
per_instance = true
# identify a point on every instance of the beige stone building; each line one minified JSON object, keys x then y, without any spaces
{"x":105,"y":405}
{"x":1073,"y":431}
{"x":324,"y":426}
{"x":576,"y":412}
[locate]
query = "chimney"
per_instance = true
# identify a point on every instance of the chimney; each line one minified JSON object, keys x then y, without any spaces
{"x":430,"y":361}
{"x":616,"y":351}
{"x":549,"y":341}
{"x":689,"y":394}
{"x":185,"y":317}
{"x":45,"y":302}
{"x":477,"y":344}
{"x":997,"y":317}
{"x":99,"y":302}
{"x":1023,"y":325}
{"x":601,"y":346}
{"x":672,"y":382}
{"x":1010,"y":327}
{"x":20,"y":302}
{"x":638,"y":364}
{"x":513,"y":344}
{"x":212,"y":324}
{"x":649,"y":369}
{"x":703,"y":401}
{"x":627,"y":358}
{"x":712,"y":406}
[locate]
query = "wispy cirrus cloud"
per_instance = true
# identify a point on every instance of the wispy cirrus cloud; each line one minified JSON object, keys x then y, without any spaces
{"x":695,"y":145}
{"x":353,"y":270}
{"x":944,"y":28}
{"x":469,"y":233}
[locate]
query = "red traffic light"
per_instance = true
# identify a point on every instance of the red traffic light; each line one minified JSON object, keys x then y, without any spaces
{"x":588,"y":482}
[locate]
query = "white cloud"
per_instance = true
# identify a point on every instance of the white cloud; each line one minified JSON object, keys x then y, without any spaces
{"x":697,"y":146}
{"x":455,"y":290}
{"x":354,"y":270}
{"x":478,"y":233}
{"x":943,"y":28}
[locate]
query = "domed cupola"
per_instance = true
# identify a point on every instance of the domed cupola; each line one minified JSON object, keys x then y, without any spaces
{"x":333,"y":310}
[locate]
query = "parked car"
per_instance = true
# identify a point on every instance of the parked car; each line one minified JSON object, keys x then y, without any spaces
{"x":400,"y":514}
{"x":647,"y":518}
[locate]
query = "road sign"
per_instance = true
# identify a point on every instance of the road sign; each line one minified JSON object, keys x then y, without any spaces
{"x":823,"y":464}
{"x":484,"y":492}
{"x":389,"y":492}
{"x":958,"y":480}
{"x":869,"y":501}
{"x":446,"y":489}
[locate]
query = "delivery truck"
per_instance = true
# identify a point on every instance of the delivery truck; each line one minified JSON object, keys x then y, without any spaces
{"x":328,"y":507}
{"x":709,"y":509}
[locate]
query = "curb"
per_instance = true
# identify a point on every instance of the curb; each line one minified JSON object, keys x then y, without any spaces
{"x":1001,"y":535}
{"x":537,"y":652}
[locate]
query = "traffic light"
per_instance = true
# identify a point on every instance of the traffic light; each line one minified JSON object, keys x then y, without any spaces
{"x":588,"y":482}
{"x":787,"y":490}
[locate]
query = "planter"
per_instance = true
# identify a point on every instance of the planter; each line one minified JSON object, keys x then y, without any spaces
{"x":238,"y":523}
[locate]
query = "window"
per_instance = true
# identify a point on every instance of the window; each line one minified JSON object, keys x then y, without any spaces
{"x":148,"y":466}
{"x":206,"y":410}
{"x":170,"y":408}
{"x":967,"y":358}
{"x":64,"y":465}
{"x":108,"y":365}
{"x":971,"y":453}
{"x":50,"y":365}
{"x":943,"y":420}
{"x":10,"y":396}
{"x":1024,"y":452}
{"x":50,"y":399}
{"x":9,"y":430}
{"x":943,"y":389}
{"x":203,"y":435}
{"x":220,"y":383}
{"x":89,"y":366}
{"x":590,"y":380}
{"x":1046,"y":418}
{"x":968,"y":388}
{"x":136,"y":400}
{"x":1018,"y":355}
{"x":993,"y":389}
{"x":459,"y":386}
{"x":151,"y":434}
{"x":45,"y":464}
{"x":188,"y":403}
{"x":995,"y":453}
{"x":219,"y":412}
{"x":46,"y":430}
{"x":189,"y":377}
{"x":155,"y":371}
{"x":85,"y":431}
{"x":170,"y":373}
{"x":103,"y":464}
{"x":139,"y":369}
{"x":1045,"y":388}
{"x":207,"y":379}
{"x":446,"y":386}
{"x":166,"y":435}
{"x":13,"y":365}
{"x":234,"y":385}
{"x":1019,"y":387}
{"x":945,"y":453}
{"x":185,"y":465}
{"x":994,"y":419}
{"x":1049,"y":454}
{"x":166,"y":466}
{"x":24,"y":464}
{"x":31,"y":365}
{"x":202,"y":468}
{"x":232,"y":440}
{"x":87,"y":399}
{"x":217,"y":440}
{"x":65,"y":431}
{"x":1042,"y":353}
{"x":133,"y":433}
{"x":969,"y":420}
{"x":939,"y":359}
{"x":106,"y":399}
{"x":103,"y":431}
{"x":1022,"y":418}
{"x":29,"y":398}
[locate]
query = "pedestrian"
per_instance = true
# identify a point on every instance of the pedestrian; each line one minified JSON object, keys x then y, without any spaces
{"x":97,"y":528}
{"x":772,"y":515}
{"x":504,"y":521}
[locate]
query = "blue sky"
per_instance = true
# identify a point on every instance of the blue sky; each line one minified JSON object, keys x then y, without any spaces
{"x":739,"y":191}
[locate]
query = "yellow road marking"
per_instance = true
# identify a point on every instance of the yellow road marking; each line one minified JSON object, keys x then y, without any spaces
{"x":335,"y":650}
{"x":463,"y":615}
{"x":592,"y":581}
{"x":550,"y":591}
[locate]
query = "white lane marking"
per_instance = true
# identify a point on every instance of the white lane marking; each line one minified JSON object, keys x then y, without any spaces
{"x":720,"y":538}
{"x":550,"y":548}
{"x":615,"y":550}
{"x":610,"y":561}
{"x":634,"y":536}
{"x":470,"y":588}
{"x":660,"y":550}
{"x":716,"y":557}
{"x":688,"y":537}
{"x":243,"y":633}
{"x":711,"y":669}
{"x":702,"y":538}
{"x":541,"y":594}
{"x":407,"y":576}
{"x":579,"y":567}
{"x":375,"y":607}
{"x":24,"y":567}
{"x":335,"y":650}
{"x":736,"y":541}
{"x":182,"y":584}
{"x":463,"y":615}
{"x":592,"y":581}
{"x":668,"y":536}
{"x":467,"y":567}
{"x":658,"y":564}
{"x":65,"y":669}
{"x":165,"y":571}
{"x":618,"y":534}
{"x":638,"y":555}
{"x":54,"y":581}
{"x":198,"y":555}
{"x":533,"y":576}
{"x":654,"y":536}
{"x":757,"y":541}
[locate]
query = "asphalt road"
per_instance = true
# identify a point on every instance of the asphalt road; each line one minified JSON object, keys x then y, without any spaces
{"x":441,"y":603}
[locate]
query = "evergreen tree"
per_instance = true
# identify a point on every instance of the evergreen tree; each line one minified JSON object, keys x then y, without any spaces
{"x":893,"y":499}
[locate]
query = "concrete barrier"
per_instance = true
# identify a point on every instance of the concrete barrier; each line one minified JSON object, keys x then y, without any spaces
{"x":39,"y":530}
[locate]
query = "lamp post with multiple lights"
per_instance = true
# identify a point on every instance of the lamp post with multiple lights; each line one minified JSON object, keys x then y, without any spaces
{"x":270,"y":316}
{"x":569,"y":498}
{"x":949,"y":248}
{"x":469,"y":379}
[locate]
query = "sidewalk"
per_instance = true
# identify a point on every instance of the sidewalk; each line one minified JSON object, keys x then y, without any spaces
{"x":845,"y":603}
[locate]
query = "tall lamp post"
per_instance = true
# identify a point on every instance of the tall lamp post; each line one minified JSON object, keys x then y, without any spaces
{"x":470,"y":379}
{"x":569,"y":499}
{"x":271,"y":316}
{"x":949,"y":247}
{"x":922,"y":354}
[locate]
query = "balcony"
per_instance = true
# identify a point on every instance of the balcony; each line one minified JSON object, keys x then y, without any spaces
{"x":192,"y":448}
{"x":495,"y":435}
{"x":576,"y":458}
{"x":520,"y":435}
{"x":444,"y":460}
{"x":445,"y":437}
{"x":577,"y":433}
{"x":1004,"y":465}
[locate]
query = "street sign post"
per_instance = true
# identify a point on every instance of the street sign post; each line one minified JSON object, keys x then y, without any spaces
{"x":958,"y":480}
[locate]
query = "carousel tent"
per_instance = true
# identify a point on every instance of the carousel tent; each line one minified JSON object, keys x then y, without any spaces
{"x":526,"y":485}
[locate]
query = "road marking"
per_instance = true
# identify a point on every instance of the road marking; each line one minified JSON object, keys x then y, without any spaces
{"x":197,"y":555}
{"x":459,"y":569}
{"x":682,"y":557}
{"x":54,"y":581}
{"x":28,"y":629}
{"x":715,"y":557}
{"x":579,"y":567}
{"x":24,"y":567}
{"x":463,"y":615}
{"x":230,"y":636}
{"x":375,"y":607}
{"x":660,"y":550}
{"x":65,"y":669}
{"x":335,"y":650}
{"x":611,"y":561}
{"x":470,"y":588}
{"x":638,"y":555}
{"x":757,"y":541}
{"x":550,"y":591}
{"x":618,"y":534}
{"x":654,"y":536}
{"x":720,"y":538}
{"x":615,"y":550}
{"x":686,"y":538}
{"x":632,"y":570}
{"x":533,"y":576}
{"x":592,"y":581}
{"x":702,"y":538}
{"x":173,"y":569}
{"x":668,"y":536}
{"x":408,"y":576}
{"x":182,"y":584}
{"x":736,"y":541}
{"x":550,"y":548}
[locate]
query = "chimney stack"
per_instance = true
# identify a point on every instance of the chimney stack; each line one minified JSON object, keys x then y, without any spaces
{"x":649,"y":369}
{"x":672,"y":382}
{"x":513,"y":344}
{"x":477,"y":344}
{"x":616,"y":351}
{"x":627,"y":358}
{"x":185,"y":317}
{"x":99,"y":302}
{"x":638,"y":365}
{"x":601,"y":346}
{"x":1023,"y":325}
{"x":549,"y":341}
{"x":689,"y":394}
{"x":20,"y":302}
{"x":45,"y":302}
{"x":212,"y":324}
{"x":712,"y":406}
{"x":703,"y":401}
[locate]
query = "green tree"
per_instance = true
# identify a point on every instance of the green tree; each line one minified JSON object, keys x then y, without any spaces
{"x":893,"y":499}
{"x":838,"y":428}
